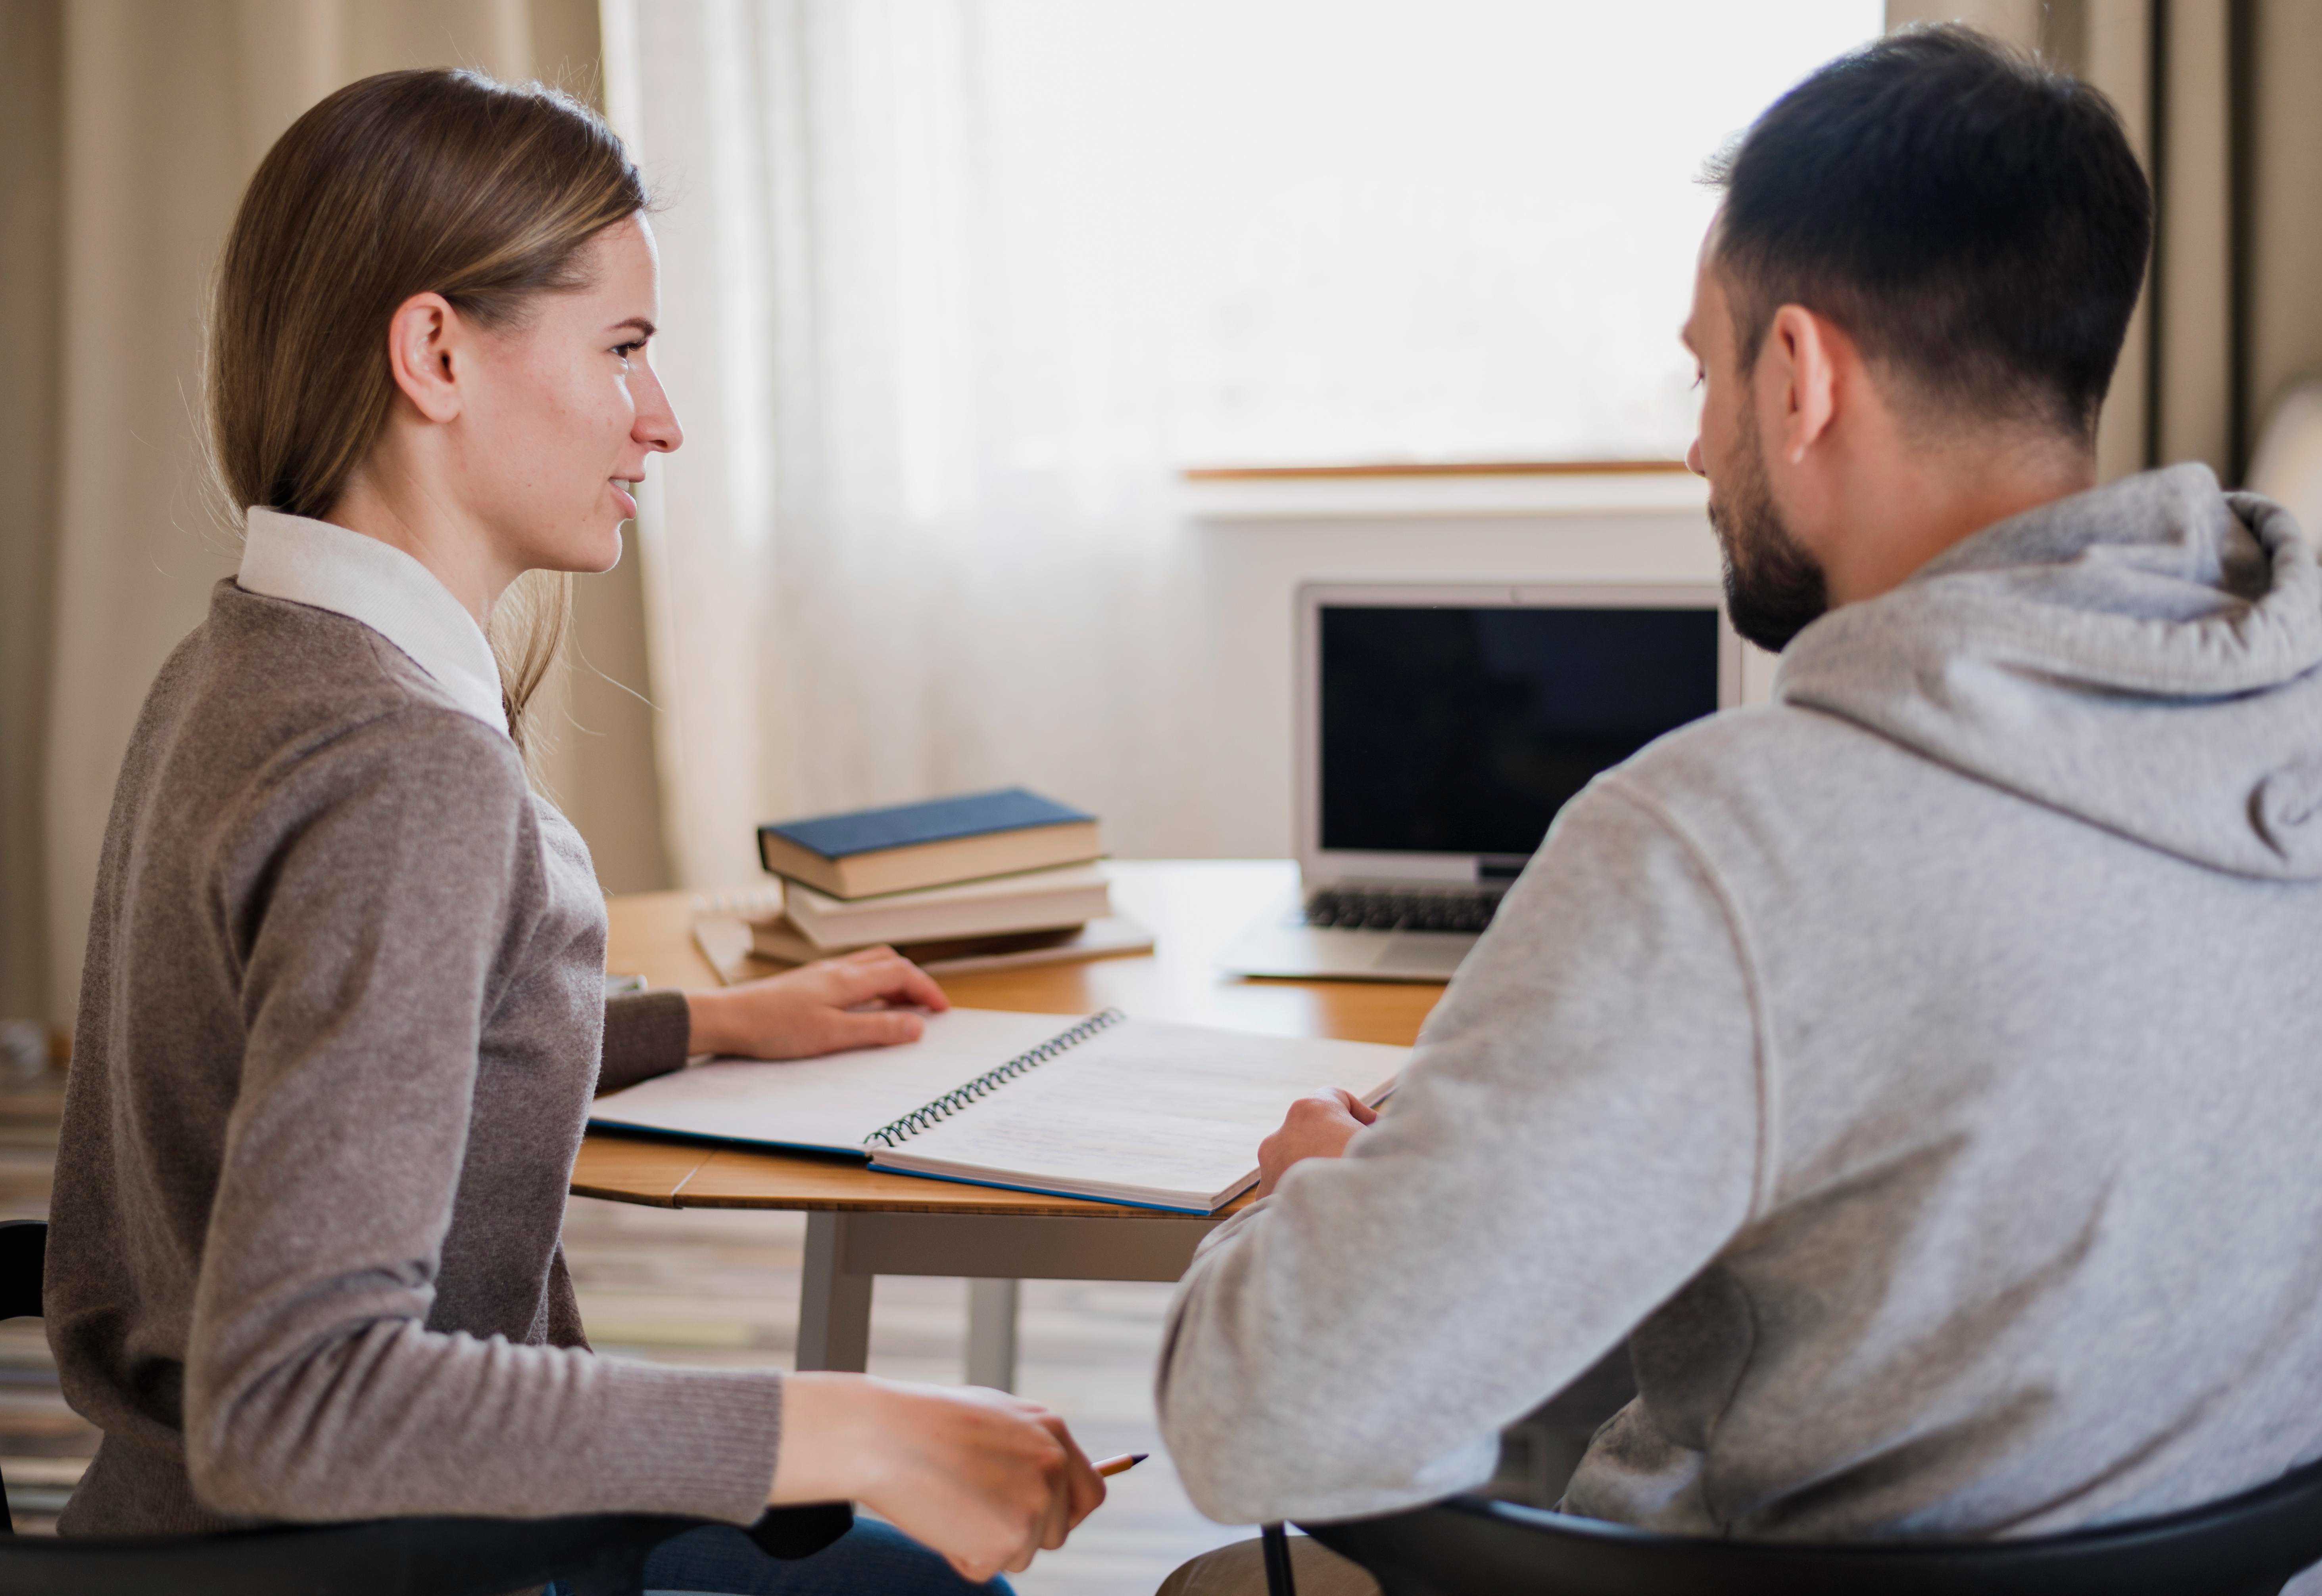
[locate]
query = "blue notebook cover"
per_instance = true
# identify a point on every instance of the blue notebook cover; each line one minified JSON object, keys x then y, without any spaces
{"x":941,"y":820}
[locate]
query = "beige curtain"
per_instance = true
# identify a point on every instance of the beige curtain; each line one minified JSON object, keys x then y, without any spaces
{"x":2217,"y":97}
{"x":132,"y":126}
{"x":30,"y":64}
{"x":2235,"y":133}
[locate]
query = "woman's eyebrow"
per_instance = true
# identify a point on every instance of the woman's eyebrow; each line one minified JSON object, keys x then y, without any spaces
{"x":645,"y":328}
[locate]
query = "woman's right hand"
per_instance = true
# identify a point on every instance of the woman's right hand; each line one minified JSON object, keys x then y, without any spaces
{"x":983,"y":1477}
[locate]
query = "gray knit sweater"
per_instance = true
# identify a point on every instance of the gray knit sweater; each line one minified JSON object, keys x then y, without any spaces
{"x":343,"y":1015}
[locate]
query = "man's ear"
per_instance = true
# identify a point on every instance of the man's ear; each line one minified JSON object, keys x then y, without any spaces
{"x":1805,"y":373}
{"x":423,"y":341}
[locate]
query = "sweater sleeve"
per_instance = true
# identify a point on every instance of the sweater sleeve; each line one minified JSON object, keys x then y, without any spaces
{"x":1575,"y":1136}
{"x":368,"y":936}
{"x":646,"y":1036}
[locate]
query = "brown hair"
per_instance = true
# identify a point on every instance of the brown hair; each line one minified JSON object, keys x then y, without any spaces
{"x":405,"y":183}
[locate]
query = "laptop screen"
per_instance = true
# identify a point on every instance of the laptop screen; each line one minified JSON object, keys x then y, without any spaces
{"x":1463,"y":730}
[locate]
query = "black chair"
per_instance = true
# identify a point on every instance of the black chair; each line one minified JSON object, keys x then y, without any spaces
{"x":596,"y":1554}
{"x":2250,"y":1545}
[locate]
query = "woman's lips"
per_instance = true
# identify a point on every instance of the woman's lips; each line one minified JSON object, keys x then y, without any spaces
{"x":628,"y":504}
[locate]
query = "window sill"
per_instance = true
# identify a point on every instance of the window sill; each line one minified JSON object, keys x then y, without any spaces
{"x":1375,"y":493}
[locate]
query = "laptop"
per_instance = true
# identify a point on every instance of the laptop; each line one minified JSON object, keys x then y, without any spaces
{"x":1439,"y":728}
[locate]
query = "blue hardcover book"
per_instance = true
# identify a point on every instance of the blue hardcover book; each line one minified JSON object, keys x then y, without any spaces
{"x":908,"y":846}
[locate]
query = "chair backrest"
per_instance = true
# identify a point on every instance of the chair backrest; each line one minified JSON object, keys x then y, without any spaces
{"x":2250,"y":1545}
{"x":24,"y":1254}
{"x":24,"y":1257}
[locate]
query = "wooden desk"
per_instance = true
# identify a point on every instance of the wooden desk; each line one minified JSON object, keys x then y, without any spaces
{"x":862,"y":1224}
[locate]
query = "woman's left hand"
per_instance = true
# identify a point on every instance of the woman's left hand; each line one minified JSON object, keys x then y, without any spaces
{"x":818,"y":1008}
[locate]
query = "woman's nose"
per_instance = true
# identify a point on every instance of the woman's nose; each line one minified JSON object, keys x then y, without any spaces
{"x":657,"y":425}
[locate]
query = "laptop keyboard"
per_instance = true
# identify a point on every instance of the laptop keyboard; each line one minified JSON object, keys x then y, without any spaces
{"x":1374,"y":908}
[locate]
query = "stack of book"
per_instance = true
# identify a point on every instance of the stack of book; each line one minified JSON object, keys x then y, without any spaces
{"x":982,"y":881}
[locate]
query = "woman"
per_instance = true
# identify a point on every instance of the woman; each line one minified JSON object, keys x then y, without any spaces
{"x":343,"y":1007}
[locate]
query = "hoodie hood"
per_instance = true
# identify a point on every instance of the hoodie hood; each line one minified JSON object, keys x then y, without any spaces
{"x":2146,"y":656}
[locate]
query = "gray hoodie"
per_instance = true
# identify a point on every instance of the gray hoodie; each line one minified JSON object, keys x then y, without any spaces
{"x":1920,"y":1070}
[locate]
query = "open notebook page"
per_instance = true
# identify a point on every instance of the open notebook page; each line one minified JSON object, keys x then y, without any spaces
{"x":827,"y":1104}
{"x":1145,"y":1112}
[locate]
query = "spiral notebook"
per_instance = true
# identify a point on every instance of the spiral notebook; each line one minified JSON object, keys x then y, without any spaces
{"x":1148,"y":1113}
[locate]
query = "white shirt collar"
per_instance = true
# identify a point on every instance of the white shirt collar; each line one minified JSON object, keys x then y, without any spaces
{"x":313,"y":563}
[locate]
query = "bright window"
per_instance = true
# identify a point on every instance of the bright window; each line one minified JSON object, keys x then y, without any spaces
{"x":1380,"y":230}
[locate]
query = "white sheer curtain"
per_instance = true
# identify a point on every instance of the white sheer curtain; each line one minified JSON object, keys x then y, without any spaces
{"x":954,"y":287}
{"x":917,"y":539}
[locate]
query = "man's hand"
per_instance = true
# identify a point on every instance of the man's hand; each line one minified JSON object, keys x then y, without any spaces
{"x":865,"y":999}
{"x":1317,"y":1126}
{"x":984,"y":1478}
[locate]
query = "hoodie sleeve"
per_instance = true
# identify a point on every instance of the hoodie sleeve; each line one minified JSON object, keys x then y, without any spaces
{"x":1578,"y":1134}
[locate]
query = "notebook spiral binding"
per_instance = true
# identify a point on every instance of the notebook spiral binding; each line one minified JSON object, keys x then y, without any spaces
{"x":952,"y":1101}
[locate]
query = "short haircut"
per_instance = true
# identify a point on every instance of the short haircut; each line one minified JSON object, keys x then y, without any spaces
{"x":1972,"y":218}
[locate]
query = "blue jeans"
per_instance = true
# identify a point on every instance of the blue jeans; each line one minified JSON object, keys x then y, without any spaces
{"x":871,"y":1559}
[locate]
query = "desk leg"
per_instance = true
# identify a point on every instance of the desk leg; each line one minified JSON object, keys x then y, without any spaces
{"x":992,"y":1333}
{"x":834,"y":1306}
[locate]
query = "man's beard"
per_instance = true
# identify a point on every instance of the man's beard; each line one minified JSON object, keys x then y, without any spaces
{"x":1773,"y":589}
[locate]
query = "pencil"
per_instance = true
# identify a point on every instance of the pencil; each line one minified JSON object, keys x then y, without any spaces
{"x":1121,"y":1464}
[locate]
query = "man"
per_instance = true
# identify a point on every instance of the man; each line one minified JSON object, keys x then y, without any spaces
{"x":1920,"y":1072}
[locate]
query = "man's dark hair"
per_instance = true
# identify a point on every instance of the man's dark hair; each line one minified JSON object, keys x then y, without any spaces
{"x":1973,"y":219}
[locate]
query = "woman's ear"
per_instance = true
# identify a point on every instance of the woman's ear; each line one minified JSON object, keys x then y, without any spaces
{"x":1806,"y":366}
{"x":425,"y":349}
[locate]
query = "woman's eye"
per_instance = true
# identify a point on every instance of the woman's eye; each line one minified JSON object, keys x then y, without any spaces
{"x":626,"y":350}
